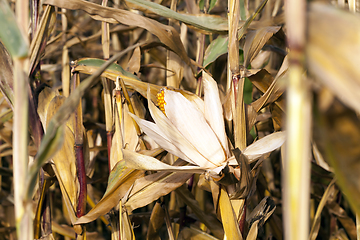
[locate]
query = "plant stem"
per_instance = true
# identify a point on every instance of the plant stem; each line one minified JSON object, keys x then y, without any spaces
{"x":23,"y":206}
{"x":296,"y":172}
{"x":80,"y":164}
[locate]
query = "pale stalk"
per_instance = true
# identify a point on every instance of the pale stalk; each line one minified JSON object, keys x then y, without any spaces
{"x":296,"y":172}
{"x":23,"y":205}
{"x":105,"y":40}
{"x":235,"y":76}
{"x":65,"y":73}
{"x":233,"y":47}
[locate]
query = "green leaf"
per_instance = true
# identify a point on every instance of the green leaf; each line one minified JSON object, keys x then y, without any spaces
{"x":212,"y":4}
{"x":90,"y":65}
{"x":247,"y":91}
{"x":95,"y":62}
{"x":216,"y":48}
{"x":10,"y":34}
{"x":205,"y":22}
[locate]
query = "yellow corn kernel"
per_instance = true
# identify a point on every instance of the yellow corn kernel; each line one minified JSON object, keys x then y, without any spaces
{"x":160,"y":100}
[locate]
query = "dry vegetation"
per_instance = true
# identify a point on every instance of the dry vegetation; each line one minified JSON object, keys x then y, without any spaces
{"x":141,"y":119}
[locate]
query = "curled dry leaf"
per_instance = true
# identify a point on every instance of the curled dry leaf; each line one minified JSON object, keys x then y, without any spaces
{"x":120,"y":180}
{"x":156,"y":221}
{"x":259,"y":215}
{"x":6,"y":75}
{"x":64,"y":160}
{"x":133,"y":65}
{"x":255,"y":41}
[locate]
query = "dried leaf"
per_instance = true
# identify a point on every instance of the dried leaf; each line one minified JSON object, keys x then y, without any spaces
{"x":142,"y":162}
{"x":45,"y":98}
{"x":54,"y":127}
{"x":64,"y":160}
{"x":151,"y":187}
{"x":259,"y":215}
{"x":120,"y":180}
{"x":208,"y":219}
{"x":38,"y":42}
{"x":330,"y":190}
{"x":166,"y":34}
{"x":265,"y":145}
{"x":253,"y":232}
{"x":135,"y":61}
{"x":270,"y":87}
{"x":155,"y":222}
{"x":126,"y":229}
{"x":194,"y":234}
{"x":6,"y":75}
{"x":255,"y":40}
{"x":228,"y":217}
{"x":90,"y":65}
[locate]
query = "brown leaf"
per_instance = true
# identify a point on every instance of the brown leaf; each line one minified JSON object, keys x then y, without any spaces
{"x":194,"y":234}
{"x":64,"y":160}
{"x":208,"y":219}
{"x":120,"y":180}
{"x":166,"y":34}
{"x":155,"y":223}
{"x":6,"y":75}
{"x":151,"y":187}
{"x":228,"y":217}
{"x":255,"y":40}
{"x":133,"y":65}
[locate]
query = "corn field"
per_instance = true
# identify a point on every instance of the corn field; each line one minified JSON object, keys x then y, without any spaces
{"x":189,"y":119}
